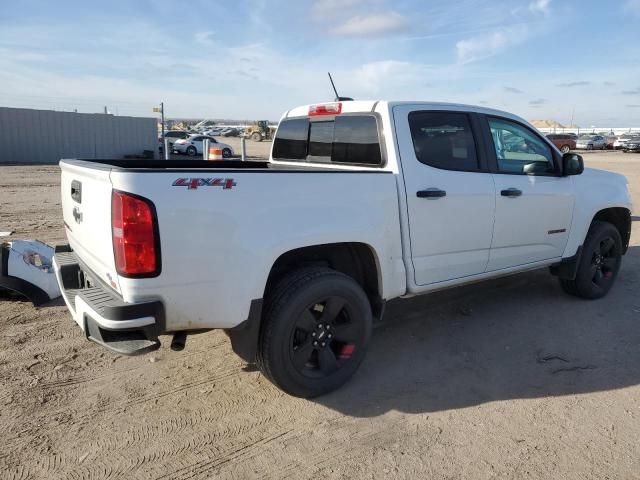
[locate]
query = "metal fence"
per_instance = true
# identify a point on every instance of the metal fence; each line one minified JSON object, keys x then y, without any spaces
{"x":45,"y":136}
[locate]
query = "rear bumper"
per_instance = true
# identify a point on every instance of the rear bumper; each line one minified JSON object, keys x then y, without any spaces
{"x":125,"y":328}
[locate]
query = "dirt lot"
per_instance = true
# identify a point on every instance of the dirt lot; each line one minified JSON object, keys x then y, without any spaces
{"x":508,"y":379}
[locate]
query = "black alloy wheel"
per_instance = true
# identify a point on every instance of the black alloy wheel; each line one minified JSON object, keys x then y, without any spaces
{"x":325,"y":336}
{"x":599,"y":263}
{"x":315,"y":331}
{"x":604,"y":262}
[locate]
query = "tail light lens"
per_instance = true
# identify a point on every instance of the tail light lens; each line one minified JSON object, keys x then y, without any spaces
{"x":136,"y":244}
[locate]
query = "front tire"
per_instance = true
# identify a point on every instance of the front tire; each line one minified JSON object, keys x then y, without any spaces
{"x":226,"y":153}
{"x":315,"y":332}
{"x":256,"y":137}
{"x":565,"y":149}
{"x":599,"y":263}
{"x":192,"y":151}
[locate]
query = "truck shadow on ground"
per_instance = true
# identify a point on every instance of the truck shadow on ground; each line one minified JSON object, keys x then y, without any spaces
{"x":515,"y":337}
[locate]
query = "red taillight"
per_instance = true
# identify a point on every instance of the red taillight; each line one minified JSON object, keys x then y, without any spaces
{"x":135,"y":242}
{"x":325,"y":109}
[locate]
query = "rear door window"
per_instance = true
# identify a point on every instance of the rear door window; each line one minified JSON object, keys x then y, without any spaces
{"x":444,"y":140}
{"x":345,"y":139}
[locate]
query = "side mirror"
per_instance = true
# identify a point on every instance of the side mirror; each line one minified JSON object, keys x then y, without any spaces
{"x":572,"y":164}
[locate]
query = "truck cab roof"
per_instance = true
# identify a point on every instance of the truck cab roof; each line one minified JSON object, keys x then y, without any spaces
{"x":370,"y":106}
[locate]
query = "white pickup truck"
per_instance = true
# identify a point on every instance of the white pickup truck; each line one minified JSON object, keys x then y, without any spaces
{"x":361,"y":202}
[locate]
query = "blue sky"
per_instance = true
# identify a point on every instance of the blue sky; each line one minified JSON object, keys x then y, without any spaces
{"x":256,"y":58}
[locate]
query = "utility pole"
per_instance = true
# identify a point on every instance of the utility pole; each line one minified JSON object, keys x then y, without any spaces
{"x":164,"y":140}
{"x":573,"y":111}
{"x":162,"y":114}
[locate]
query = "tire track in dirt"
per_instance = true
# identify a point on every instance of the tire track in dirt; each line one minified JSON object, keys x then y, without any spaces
{"x":125,"y":461}
{"x":87,"y":417}
{"x":17,"y":473}
{"x":174,"y":428}
{"x":322,"y":446}
{"x":84,"y":418}
{"x":88,"y":378}
{"x":208,"y":467}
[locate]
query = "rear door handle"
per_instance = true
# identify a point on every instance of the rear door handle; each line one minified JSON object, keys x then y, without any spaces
{"x":511,"y":192}
{"x":431,"y":193}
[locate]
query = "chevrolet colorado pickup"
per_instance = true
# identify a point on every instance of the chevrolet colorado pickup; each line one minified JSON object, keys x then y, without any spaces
{"x":360,"y":202}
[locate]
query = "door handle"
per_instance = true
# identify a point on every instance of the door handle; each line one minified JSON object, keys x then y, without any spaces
{"x":511,"y":192}
{"x":431,"y":193}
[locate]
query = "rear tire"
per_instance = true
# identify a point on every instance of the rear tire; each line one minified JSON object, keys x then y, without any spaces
{"x":315,"y":331}
{"x":192,"y":151}
{"x":256,"y":137}
{"x":599,"y":264}
{"x":565,"y":149}
{"x":226,"y":153}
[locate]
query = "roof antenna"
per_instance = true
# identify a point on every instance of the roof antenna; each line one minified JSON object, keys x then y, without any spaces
{"x":338,"y":97}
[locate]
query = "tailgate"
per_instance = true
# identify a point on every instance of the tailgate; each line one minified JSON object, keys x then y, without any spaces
{"x":86,"y":207}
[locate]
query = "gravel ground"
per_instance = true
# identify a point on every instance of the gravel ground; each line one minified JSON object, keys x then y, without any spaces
{"x":506,"y":379}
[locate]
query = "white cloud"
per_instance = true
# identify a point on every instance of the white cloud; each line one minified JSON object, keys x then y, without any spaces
{"x":371,"y":25}
{"x":487,"y":45}
{"x":372,"y":78}
{"x":205,"y":38}
{"x":540,"y":7}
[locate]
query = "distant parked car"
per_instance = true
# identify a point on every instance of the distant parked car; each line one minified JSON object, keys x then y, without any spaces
{"x":172,"y":136}
{"x":193,"y":145}
{"x":563,"y":141}
{"x":591,"y":142}
{"x":610,"y":138}
{"x":632,"y":145}
{"x":622,"y":140}
{"x":230,"y":132}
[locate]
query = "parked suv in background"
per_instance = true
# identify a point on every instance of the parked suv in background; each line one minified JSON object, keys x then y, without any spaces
{"x":563,"y":141}
{"x":173,"y":135}
{"x":632,"y":145}
{"x":622,"y":140}
{"x":591,"y":142}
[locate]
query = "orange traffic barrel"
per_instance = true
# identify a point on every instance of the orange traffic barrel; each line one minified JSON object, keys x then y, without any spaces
{"x":215,"y":153}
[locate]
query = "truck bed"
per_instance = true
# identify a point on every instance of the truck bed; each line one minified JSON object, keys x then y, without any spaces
{"x":217,"y":245}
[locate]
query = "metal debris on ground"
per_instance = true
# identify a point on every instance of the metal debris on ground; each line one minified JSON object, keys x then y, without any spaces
{"x":26,"y":268}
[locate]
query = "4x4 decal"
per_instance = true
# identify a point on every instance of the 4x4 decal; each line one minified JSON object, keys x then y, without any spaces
{"x":194,"y":183}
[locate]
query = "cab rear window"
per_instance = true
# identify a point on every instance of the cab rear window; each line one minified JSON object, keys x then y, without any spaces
{"x":347,"y":139}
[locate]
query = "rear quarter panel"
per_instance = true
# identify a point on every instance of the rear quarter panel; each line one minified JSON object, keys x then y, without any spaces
{"x":218,"y":245}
